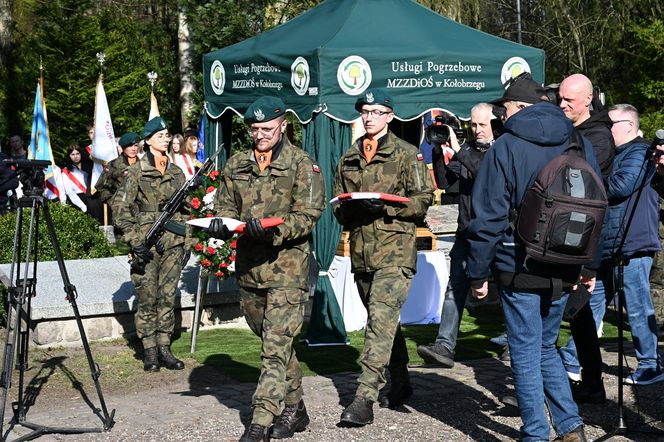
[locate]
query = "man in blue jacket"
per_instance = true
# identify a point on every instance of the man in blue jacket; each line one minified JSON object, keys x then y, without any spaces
{"x":641,"y":243}
{"x":534,"y":133}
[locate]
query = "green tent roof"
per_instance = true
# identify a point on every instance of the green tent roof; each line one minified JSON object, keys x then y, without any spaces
{"x":321,"y":60}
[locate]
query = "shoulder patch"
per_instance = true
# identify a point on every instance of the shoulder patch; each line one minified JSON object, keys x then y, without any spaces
{"x":420,"y":157}
{"x":315,"y":168}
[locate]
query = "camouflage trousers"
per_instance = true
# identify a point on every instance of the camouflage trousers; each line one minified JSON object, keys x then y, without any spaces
{"x":155,"y":290}
{"x":276,"y":315}
{"x":383,"y":292}
{"x":657,"y":279}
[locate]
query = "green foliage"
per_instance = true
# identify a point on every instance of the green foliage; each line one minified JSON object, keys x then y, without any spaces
{"x":78,"y":234}
{"x":65,"y":35}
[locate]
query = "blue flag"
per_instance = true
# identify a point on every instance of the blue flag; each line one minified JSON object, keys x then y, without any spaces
{"x":40,"y":143}
{"x":200,"y":152}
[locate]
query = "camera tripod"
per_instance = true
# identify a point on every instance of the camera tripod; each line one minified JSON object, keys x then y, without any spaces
{"x":20,"y":293}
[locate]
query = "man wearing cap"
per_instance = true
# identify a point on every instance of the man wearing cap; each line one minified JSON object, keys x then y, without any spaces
{"x":274,"y":179}
{"x":116,"y":171}
{"x":149,"y":183}
{"x":535,"y":132}
{"x":382,"y":247}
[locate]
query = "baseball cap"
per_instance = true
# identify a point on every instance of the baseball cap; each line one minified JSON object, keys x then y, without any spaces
{"x":522,"y":88}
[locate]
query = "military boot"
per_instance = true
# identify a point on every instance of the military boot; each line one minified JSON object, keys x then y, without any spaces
{"x":293,"y":419}
{"x":256,"y":433}
{"x":168,"y":360}
{"x":358,"y":414}
{"x":397,"y":395}
{"x":150,"y":360}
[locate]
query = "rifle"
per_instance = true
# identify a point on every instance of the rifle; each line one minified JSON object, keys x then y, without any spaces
{"x":171,"y":207}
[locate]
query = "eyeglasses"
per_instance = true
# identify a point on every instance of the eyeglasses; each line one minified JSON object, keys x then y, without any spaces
{"x":267,"y":132}
{"x":162,"y":137}
{"x":620,"y":121}
{"x":374,"y":113}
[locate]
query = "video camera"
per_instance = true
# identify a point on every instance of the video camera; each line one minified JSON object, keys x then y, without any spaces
{"x":30,"y":174}
{"x":438,"y":132}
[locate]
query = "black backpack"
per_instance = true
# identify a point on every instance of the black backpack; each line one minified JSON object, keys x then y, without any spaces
{"x":560,"y":217}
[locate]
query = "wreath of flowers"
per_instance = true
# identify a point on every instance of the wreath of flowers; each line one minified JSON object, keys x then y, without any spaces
{"x":216,"y":256}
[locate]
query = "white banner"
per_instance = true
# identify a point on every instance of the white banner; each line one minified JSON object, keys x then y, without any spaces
{"x":103,"y":144}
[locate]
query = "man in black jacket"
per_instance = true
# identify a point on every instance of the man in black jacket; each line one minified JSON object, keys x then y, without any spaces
{"x":576,"y":95}
{"x":462,"y":169}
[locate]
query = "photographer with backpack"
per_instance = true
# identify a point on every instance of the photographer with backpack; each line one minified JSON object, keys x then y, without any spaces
{"x":533,"y":291}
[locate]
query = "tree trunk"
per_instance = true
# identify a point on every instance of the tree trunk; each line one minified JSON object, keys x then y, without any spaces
{"x":6,"y":24}
{"x":184,"y":65}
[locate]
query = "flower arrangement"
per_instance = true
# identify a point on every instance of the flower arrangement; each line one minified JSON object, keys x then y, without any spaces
{"x":217,"y":257}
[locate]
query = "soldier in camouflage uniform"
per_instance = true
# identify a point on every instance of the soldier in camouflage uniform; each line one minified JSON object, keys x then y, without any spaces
{"x":274,"y":179}
{"x":382,"y":247}
{"x":116,"y":171}
{"x":149,"y":183}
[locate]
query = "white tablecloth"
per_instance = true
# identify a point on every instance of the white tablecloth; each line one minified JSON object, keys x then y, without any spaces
{"x":425,"y":298}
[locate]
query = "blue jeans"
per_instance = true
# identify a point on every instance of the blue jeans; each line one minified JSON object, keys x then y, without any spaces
{"x":640,"y":312}
{"x":533,"y":323}
{"x":455,"y":296}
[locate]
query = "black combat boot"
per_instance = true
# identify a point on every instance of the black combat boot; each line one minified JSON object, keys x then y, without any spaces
{"x":358,"y":414}
{"x":397,"y":395}
{"x":256,"y":433}
{"x":292,"y":420}
{"x":168,"y":360}
{"x":150,"y":360}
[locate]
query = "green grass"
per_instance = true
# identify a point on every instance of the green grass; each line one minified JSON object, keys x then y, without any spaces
{"x":236,"y":352}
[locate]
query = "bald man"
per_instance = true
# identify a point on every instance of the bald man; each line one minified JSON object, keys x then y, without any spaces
{"x":576,"y":96}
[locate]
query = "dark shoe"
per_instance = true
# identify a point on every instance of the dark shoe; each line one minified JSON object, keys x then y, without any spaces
{"x":150,"y":361}
{"x":293,"y":419}
{"x":588,"y":392}
{"x":576,"y":435}
{"x":397,"y":395}
{"x":168,"y":360}
{"x":505,"y":357}
{"x":436,"y":354}
{"x":358,"y":414}
{"x":256,"y":433}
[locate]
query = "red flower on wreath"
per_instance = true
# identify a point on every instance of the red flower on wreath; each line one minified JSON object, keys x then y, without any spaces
{"x":215,"y":256}
{"x":234,"y":244}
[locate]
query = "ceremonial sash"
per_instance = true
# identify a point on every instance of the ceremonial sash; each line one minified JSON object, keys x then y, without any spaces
{"x":186,"y":163}
{"x":74,"y":180}
{"x":53,"y":188}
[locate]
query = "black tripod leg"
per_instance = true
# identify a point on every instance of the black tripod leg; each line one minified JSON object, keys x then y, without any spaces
{"x":70,"y":289}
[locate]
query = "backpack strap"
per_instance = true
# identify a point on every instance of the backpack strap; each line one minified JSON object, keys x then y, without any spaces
{"x":575,"y":144}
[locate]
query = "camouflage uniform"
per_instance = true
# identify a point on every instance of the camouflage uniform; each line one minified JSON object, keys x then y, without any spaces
{"x":273,"y":277}
{"x":382,"y":250}
{"x":137,"y":204}
{"x":112,"y":178}
{"x":657,"y":273}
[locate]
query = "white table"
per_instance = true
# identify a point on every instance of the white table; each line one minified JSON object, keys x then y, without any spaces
{"x":425,"y":298}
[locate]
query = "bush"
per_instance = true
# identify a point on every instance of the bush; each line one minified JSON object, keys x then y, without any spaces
{"x":78,"y":234}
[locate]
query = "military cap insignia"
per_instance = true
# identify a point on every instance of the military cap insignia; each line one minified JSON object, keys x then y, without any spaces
{"x":370,"y":97}
{"x":316,"y":168}
{"x":260,"y":116}
{"x":162,"y":124}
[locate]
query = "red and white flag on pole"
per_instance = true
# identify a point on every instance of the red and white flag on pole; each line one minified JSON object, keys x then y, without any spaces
{"x":103,"y":144}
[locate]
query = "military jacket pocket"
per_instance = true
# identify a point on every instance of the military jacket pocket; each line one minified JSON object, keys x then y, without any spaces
{"x":296,"y":296}
{"x":394,"y":225}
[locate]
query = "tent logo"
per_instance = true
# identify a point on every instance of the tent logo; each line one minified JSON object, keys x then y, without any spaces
{"x":512,"y":68}
{"x":300,"y":76}
{"x":217,"y":77}
{"x":354,"y":75}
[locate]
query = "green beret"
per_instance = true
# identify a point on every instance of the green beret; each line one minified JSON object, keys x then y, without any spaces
{"x":375,"y":96}
{"x":152,"y":126}
{"x":264,"y":109}
{"x":128,"y":139}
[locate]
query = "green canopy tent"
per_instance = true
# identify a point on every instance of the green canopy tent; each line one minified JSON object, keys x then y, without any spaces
{"x":320,"y":61}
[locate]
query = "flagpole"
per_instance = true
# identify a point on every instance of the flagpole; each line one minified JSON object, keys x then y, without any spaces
{"x":100,"y":58}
